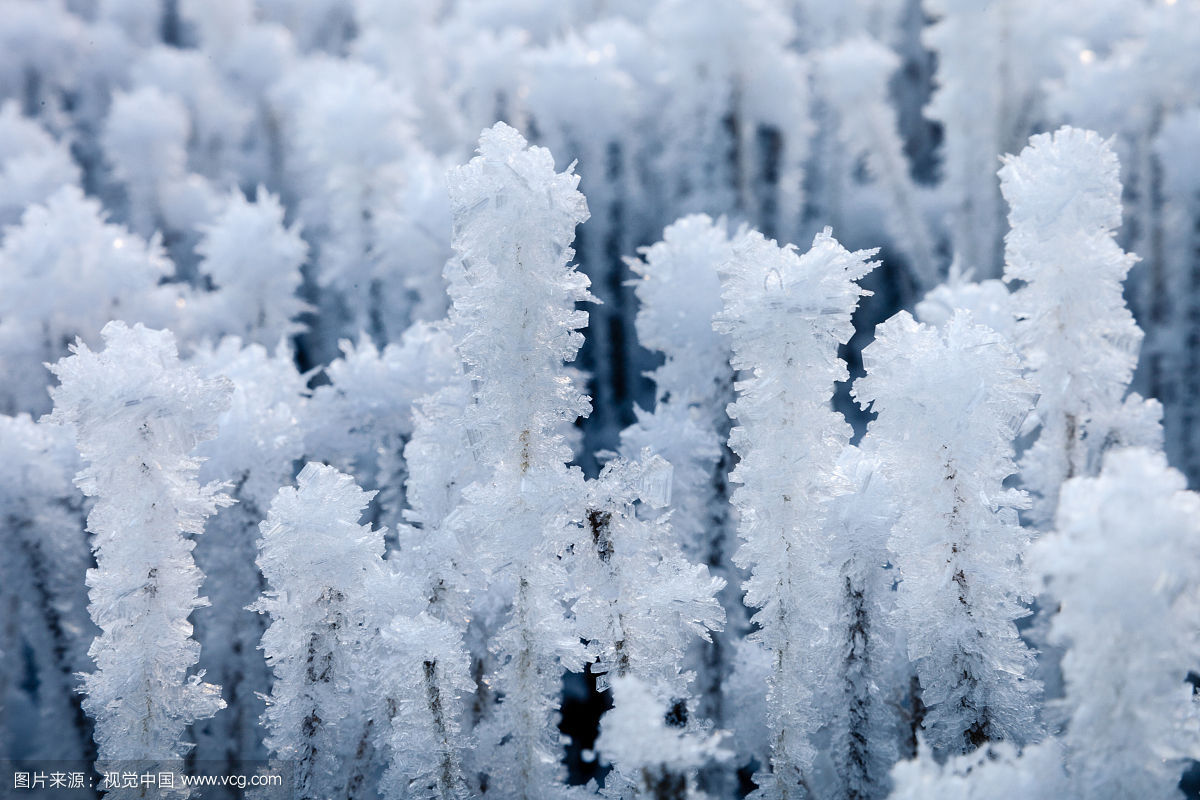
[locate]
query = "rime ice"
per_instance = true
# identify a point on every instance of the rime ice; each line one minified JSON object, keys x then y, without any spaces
{"x":544,"y":441}
{"x":137,"y":413}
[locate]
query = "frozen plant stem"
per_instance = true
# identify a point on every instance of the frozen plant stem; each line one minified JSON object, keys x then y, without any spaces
{"x":515,"y":324}
{"x":1081,"y":347}
{"x":786,"y":315}
{"x":950,"y":401}
{"x":855,"y":76}
{"x":137,"y":414}
{"x":643,"y":601}
{"x":680,"y":292}
{"x":1130,"y":709}
{"x":318,"y":563}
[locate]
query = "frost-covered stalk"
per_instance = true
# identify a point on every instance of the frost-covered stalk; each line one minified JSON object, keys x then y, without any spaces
{"x":735,"y":113}
{"x":243,"y":58}
{"x":40,"y":42}
{"x":137,"y":415}
{"x":854,"y":77}
{"x":413,"y":245}
{"x":259,"y":439}
{"x":646,"y":740}
{"x":415,"y":675}
{"x":515,"y":322}
{"x":64,"y":272}
{"x":1131,"y":87}
{"x":426,"y":676}
{"x":254,"y":263}
{"x":680,"y":292}
{"x":439,"y":464}
{"x":345,"y":182}
{"x":642,"y":601}
{"x":320,"y":566}
{"x":970,"y":38}
{"x":429,"y":736}
{"x":219,"y":118}
{"x":786,"y":315}
{"x":1081,"y":346}
{"x":860,"y":701}
{"x":950,"y":401}
{"x":1124,"y":568}
{"x":32,"y":164}
{"x":43,"y":600}
{"x":406,"y":42}
{"x":145,"y":139}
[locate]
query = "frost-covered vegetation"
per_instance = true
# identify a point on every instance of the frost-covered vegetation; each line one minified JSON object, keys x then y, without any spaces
{"x":542,"y":399}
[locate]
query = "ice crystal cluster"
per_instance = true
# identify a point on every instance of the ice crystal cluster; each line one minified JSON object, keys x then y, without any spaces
{"x":641,"y":399}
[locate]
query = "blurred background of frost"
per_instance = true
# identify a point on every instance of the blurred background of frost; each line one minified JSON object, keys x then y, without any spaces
{"x":881,"y":118}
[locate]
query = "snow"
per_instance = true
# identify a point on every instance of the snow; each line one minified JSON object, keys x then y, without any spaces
{"x":469,"y":398}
